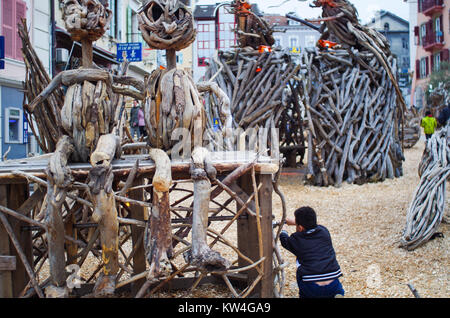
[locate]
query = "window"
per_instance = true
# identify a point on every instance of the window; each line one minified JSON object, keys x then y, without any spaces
{"x":405,"y":62}
{"x":14,"y":125}
{"x":293,"y":42}
{"x":202,"y":28}
{"x":386,"y":26}
{"x":179,"y":58}
{"x":437,"y":62}
{"x":12,"y":13}
{"x":405,"y":44}
{"x":423,"y":33}
{"x":203,"y":61}
{"x":423,"y":67}
{"x":310,"y":41}
{"x":277,"y":41}
{"x":437,"y":25}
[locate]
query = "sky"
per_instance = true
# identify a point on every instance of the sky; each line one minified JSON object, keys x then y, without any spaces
{"x":366,"y":8}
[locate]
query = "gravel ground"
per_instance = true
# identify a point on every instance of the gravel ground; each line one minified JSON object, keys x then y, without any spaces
{"x":366,"y":223}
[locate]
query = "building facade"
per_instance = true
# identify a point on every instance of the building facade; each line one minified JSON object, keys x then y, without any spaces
{"x":432,"y":36}
{"x":15,"y":139}
{"x":123,"y":28}
{"x":215,"y":31}
{"x":292,"y":35}
{"x":397,"y":32}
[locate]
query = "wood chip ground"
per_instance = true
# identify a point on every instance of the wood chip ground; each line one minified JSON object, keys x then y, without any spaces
{"x":366,"y":224}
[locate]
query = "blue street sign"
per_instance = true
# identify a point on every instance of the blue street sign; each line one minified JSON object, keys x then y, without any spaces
{"x":130,"y":51}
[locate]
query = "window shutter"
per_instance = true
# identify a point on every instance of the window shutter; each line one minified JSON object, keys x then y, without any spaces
{"x":8,"y":15}
{"x":129,"y":24}
{"x":416,"y":31}
{"x":112,"y":26}
{"x":21,"y":11}
{"x":432,"y":63}
{"x":427,"y":66}
{"x":119,"y":21}
{"x":445,"y":55}
{"x":417,"y":69}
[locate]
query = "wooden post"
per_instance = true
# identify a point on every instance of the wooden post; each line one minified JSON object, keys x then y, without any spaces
{"x":6,"y":285}
{"x":71,"y":248}
{"x":265,"y":205}
{"x":171,"y":57}
{"x":17,"y":194}
{"x":248,"y":235}
{"x":137,"y":213}
{"x":87,"y":53}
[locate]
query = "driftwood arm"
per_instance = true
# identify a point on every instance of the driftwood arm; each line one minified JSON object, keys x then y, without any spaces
{"x":69,"y":78}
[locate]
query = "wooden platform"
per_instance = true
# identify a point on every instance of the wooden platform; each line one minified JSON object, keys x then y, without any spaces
{"x":223,"y":162}
{"x":254,"y":240}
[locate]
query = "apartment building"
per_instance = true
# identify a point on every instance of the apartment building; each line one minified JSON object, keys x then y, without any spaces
{"x":124,"y":28}
{"x":215,"y":31}
{"x":396,"y":30}
{"x":432,"y":37}
{"x":15,"y":138}
{"x":292,"y":35}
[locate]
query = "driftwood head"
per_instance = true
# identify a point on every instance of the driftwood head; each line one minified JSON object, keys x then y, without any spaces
{"x":86,"y":19}
{"x":166,"y":24}
{"x":337,"y":6}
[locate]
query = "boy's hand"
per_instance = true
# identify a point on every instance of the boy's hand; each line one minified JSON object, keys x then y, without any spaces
{"x":290,"y":222}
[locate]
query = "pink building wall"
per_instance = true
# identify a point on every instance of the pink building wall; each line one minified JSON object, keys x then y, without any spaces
{"x":432,"y":46}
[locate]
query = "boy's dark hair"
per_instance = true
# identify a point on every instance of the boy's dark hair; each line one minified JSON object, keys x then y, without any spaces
{"x":306,"y":217}
{"x":428,"y":113}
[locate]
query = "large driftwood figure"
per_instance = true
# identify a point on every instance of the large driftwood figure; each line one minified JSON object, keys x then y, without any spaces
{"x":342,"y":23}
{"x":173,"y":102}
{"x":88,"y":120}
{"x":353,"y":105}
{"x":257,"y":79}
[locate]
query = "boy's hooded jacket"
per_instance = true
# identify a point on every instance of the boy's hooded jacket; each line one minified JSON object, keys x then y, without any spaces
{"x":316,"y":258}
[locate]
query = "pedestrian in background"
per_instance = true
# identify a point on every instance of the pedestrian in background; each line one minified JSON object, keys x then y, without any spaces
{"x":141,"y":122}
{"x":429,"y":124}
{"x":134,"y":120}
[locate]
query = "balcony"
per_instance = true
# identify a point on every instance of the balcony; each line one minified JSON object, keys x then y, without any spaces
{"x":433,"y":41}
{"x":430,"y":7}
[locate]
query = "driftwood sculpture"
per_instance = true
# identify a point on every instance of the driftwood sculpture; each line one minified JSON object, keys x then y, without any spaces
{"x":88,"y":124}
{"x":342,"y":25}
{"x":411,"y":129}
{"x":258,"y":80}
{"x":352,"y":102}
{"x":81,"y":212}
{"x":253,"y":31}
{"x":173,"y":109}
{"x":429,"y":203}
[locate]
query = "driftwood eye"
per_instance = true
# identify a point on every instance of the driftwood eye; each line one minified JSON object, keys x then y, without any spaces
{"x":155,"y":12}
{"x":180,"y":13}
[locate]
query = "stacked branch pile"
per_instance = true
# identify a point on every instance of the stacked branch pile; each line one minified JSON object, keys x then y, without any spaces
{"x":353,"y":104}
{"x":258,"y":87}
{"x":352,"y":119}
{"x":427,"y":208}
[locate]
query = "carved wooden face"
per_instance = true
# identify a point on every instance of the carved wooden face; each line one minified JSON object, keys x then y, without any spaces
{"x":166,"y":24}
{"x":86,"y":19}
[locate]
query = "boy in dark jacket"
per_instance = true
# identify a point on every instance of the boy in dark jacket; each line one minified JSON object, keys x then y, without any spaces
{"x":318,"y":271}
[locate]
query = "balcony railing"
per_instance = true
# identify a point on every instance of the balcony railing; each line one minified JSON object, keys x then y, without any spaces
{"x":434,"y":40}
{"x":429,"y":7}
